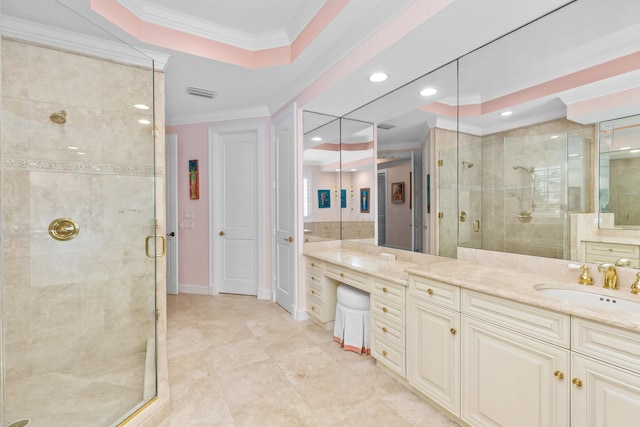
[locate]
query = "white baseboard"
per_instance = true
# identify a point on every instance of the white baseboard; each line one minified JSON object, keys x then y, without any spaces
{"x":265,"y":294}
{"x":301,"y":315}
{"x":193,"y":289}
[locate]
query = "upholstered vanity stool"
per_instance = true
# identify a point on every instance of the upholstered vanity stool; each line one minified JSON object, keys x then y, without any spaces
{"x":351,"y":328}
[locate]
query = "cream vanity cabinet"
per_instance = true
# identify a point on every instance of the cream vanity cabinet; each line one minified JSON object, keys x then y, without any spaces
{"x":388,"y":324}
{"x":601,"y":252}
{"x":321,"y":296}
{"x":434,"y":341}
{"x":605,"y":375}
{"x":515,"y":363}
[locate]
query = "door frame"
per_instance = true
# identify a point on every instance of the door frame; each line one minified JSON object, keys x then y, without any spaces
{"x":171,"y":220}
{"x":286,"y":113}
{"x":259,"y":127}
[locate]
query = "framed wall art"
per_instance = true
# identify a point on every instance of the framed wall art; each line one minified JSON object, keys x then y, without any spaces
{"x":324,"y":199}
{"x":194,"y":185}
{"x":364,"y":200}
{"x":397,"y":192}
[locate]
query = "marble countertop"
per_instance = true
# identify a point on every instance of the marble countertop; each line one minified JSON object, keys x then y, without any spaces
{"x":503,"y":282}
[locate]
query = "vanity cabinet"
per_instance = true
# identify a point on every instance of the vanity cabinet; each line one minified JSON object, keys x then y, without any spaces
{"x":605,"y":375}
{"x":601,"y":252}
{"x":388,"y":324}
{"x":434,"y":341}
{"x":321,"y":296}
{"x":514,"y":367}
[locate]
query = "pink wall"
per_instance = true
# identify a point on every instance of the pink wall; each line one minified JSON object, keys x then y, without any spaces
{"x":193,"y":244}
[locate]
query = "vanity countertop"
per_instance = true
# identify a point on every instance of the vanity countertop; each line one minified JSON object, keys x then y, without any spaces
{"x":502,"y":282}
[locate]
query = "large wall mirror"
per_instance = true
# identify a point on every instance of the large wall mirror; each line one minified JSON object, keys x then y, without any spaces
{"x":504,"y":154}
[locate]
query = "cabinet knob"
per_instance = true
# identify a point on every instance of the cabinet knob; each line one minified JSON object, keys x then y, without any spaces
{"x":313,"y":264}
{"x":453,"y":331}
{"x":385,"y":290}
{"x":313,"y":308}
{"x":384,"y":353}
{"x":559,"y":375}
{"x":313,"y":292}
{"x":577,"y":382}
{"x":341,"y":274}
{"x":384,"y":309}
{"x":384,"y":329}
{"x":430,"y":291}
{"x":313,"y":278}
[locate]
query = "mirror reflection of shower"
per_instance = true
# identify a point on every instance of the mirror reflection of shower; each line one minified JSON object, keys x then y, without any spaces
{"x":467,"y":164}
{"x":526,"y":215}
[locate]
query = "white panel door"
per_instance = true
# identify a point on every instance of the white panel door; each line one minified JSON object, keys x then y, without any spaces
{"x":171,"y":150}
{"x":235,"y":204}
{"x":284,"y":209}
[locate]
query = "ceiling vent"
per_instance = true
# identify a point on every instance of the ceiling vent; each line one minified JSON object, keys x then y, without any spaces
{"x":385,"y":126}
{"x":201,"y":92}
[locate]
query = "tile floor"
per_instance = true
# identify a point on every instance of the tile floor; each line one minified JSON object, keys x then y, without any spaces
{"x":238,"y":361}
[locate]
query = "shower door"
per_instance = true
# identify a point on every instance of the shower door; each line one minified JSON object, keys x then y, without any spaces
{"x":78,"y":272}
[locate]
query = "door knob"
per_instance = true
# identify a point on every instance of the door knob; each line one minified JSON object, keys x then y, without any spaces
{"x":172,"y":234}
{"x":221,"y":233}
{"x":288,"y":239}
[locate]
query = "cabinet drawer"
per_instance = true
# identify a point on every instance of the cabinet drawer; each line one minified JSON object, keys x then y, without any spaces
{"x":616,"y":346}
{"x":314,"y":309}
{"x":536,"y":322}
{"x":391,"y":292}
{"x":611,"y":252}
{"x":436,"y":292}
{"x":314,"y":267}
{"x":349,"y":277}
{"x":387,"y":312}
{"x":388,"y":354}
{"x":315,"y":290}
{"x":388,"y":331}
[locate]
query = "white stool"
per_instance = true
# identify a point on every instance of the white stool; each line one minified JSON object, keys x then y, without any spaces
{"x":351,"y":328}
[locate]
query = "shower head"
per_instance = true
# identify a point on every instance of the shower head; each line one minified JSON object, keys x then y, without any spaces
{"x":59,"y":117}
{"x":467,"y":164}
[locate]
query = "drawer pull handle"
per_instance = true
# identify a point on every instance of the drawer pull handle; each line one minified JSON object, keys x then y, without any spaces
{"x":385,"y":290}
{"x":312,"y":264}
{"x":313,"y":308}
{"x":577,"y":382}
{"x":384,"y":329}
{"x":313,"y":292}
{"x":610,"y":250}
{"x":341,"y":274}
{"x":313,"y":278}
{"x":559,"y":375}
{"x":384,"y":309}
{"x":430,"y":291}
{"x":384,"y":353}
{"x":453,"y":331}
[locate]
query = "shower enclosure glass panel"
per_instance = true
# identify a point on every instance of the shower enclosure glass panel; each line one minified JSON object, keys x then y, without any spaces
{"x":78,"y":289}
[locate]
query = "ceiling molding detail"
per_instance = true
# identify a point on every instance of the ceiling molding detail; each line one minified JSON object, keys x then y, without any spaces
{"x":63,"y":39}
{"x":171,"y":18}
{"x":241,"y":114}
{"x":165,"y":28}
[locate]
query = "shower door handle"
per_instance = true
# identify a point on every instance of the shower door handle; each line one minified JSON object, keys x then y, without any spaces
{"x":147,"y":245}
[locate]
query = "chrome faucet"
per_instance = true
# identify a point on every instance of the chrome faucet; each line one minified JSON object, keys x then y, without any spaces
{"x":610,"y":274}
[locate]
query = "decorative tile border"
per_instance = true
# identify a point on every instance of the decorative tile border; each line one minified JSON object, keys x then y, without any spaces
{"x":87,"y":168}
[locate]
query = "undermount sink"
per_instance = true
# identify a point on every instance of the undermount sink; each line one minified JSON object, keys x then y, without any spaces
{"x":592,"y":299}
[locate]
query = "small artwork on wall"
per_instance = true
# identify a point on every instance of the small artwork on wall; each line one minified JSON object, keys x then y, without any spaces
{"x":324,"y":199}
{"x":397,"y":192}
{"x":364,"y":200}
{"x":343,"y":198}
{"x":194,"y":187}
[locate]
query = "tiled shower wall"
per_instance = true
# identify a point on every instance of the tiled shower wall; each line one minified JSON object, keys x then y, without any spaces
{"x":90,"y":298}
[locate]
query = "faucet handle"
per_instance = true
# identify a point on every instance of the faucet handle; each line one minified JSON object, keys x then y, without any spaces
{"x":635,"y":286}
{"x":623,"y":262}
{"x":585,"y":277}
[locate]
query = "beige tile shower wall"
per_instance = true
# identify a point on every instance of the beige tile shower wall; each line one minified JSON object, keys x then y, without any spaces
{"x":542,"y":236}
{"x":82,"y":300}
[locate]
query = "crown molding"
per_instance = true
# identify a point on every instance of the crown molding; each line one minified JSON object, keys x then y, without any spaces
{"x":93,"y":46}
{"x":176,"y":20}
{"x":241,"y":114}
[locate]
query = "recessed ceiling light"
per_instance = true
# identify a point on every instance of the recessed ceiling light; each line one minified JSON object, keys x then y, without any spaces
{"x":378,"y":77}
{"x":428,"y":91}
{"x":506,"y":113}
{"x":144,"y":122}
{"x":316,"y":138}
{"x":141,"y":106}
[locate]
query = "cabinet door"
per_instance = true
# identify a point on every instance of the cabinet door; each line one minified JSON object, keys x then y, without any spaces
{"x":602,"y":395}
{"x":434,"y":353}
{"x":512,"y":380}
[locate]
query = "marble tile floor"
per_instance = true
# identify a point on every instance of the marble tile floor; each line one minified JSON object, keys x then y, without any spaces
{"x":238,"y":361}
{"x":88,"y":395}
